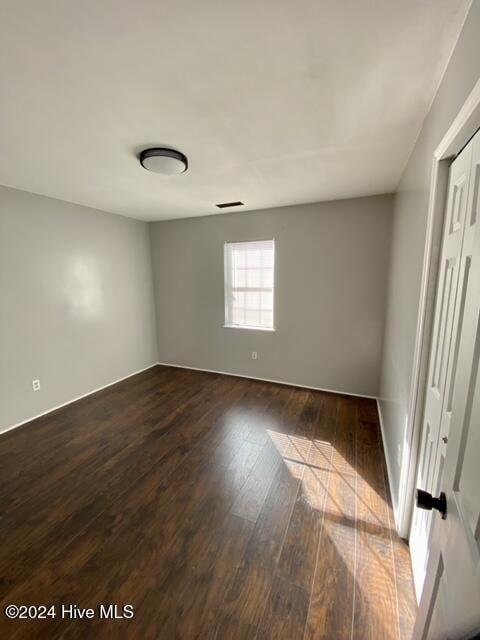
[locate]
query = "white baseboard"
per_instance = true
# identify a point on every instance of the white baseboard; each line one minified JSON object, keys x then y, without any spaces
{"x":289,"y":384}
{"x":84,"y":395}
{"x":387,"y":460}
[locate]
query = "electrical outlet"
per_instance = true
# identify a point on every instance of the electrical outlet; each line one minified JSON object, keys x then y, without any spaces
{"x":36,"y":385}
{"x":254,"y":355}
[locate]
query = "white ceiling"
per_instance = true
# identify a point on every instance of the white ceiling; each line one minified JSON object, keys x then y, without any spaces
{"x":275,"y":102}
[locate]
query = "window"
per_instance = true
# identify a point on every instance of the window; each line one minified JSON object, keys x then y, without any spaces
{"x":249,"y":268}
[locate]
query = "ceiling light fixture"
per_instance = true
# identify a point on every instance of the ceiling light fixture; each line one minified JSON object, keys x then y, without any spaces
{"x":166,"y":161}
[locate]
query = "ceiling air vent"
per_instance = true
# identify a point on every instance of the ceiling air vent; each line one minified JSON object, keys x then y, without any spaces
{"x":224,"y":205}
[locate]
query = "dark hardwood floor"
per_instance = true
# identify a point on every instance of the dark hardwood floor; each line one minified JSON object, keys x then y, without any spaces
{"x":218,"y":507}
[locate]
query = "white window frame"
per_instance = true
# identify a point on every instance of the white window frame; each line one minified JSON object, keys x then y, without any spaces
{"x":228,"y":288}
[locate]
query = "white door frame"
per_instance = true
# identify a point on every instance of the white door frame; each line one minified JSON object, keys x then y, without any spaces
{"x":457,"y":135}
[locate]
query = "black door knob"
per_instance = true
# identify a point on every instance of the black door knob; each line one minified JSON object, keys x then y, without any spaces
{"x":426,"y":501}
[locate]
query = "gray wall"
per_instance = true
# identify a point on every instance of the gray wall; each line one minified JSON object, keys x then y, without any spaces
{"x":409,"y":228}
{"x":331,"y":269}
{"x":76,"y":302}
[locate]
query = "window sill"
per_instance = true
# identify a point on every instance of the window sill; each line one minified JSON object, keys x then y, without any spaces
{"x":241,"y":326}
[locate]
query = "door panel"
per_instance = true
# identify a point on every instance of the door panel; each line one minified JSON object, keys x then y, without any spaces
{"x":437,"y":622}
{"x":443,"y":358}
{"x":446,"y":307}
{"x":466,"y":482}
{"x":450,"y":602}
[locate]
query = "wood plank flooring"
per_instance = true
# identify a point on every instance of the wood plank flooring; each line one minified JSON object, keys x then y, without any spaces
{"x":217,"y":507}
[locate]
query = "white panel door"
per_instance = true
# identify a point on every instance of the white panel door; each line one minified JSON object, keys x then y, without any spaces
{"x":441,"y":363}
{"x":450,"y":603}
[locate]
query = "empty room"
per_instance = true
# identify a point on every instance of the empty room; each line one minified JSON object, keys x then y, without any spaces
{"x":240,"y":320}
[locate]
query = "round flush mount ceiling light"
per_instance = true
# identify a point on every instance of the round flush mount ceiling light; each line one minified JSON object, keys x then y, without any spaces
{"x":166,"y":161}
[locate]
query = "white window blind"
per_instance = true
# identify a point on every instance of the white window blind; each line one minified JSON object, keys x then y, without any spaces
{"x":249,"y":284}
